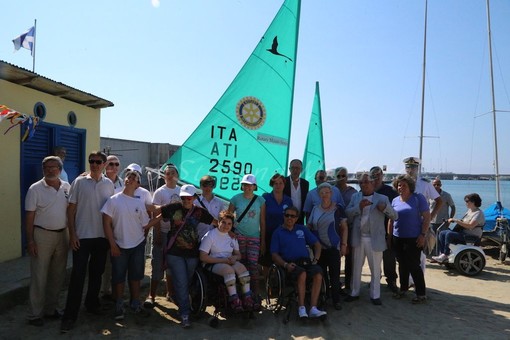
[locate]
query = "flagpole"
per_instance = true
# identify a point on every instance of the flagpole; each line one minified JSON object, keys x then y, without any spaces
{"x":33,"y":52}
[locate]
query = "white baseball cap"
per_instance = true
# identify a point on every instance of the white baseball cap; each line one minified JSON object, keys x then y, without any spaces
{"x":249,"y":179}
{"x":188,"y":190}
{"x":134,"y":167}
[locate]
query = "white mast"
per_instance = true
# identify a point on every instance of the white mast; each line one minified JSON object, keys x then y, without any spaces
{"x":423,"y":87}
{"x":496,"y":161}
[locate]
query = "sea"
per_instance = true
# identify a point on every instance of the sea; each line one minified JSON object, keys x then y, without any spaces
{"x":486,"y":189}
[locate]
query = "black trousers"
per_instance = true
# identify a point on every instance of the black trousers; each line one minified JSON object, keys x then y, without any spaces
{"x":408,"y":256}
{"x":91,"y":254}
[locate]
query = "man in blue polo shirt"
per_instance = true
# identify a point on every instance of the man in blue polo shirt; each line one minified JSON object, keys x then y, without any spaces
{"x":288,"y":249}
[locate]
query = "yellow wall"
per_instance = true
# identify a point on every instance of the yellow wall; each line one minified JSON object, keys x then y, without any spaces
{"x":23,"y":99}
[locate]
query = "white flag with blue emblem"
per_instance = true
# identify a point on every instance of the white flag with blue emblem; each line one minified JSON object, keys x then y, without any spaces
{"x":26,"y":40}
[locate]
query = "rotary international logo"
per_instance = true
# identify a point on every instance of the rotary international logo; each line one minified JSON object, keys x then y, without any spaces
{"x":251,"y":113}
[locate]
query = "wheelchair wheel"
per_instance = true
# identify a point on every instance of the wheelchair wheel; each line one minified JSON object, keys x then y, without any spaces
{"x":274,"y":288}
{"x":470,"y":262}
{"x":197,"y":293}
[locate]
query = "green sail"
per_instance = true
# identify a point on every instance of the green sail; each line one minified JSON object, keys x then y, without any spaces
{"x":248,"y":129}
{"x":313,"y":158}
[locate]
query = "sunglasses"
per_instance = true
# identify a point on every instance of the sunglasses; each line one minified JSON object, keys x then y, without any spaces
{"x":341,"y":176}
{"x":114,"y":164}
{"x":95,"y":161}
{"x":186,"y":198}
{"x":207,"y":184}
{"x":290,"y":216}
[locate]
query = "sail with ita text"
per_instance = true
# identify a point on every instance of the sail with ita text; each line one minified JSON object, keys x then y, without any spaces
{"x":248,"y":130}
{"x":313,"y":158}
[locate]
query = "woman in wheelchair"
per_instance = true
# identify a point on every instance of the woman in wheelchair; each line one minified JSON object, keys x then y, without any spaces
{"x":471,"y":224}
{"x":289,"y":251}
{"x":220,"y":254}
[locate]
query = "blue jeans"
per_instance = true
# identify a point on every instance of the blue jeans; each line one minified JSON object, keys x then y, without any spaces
{"x":446,"y":237}
{"x":131,"y":262}
{"x":182,"y":269}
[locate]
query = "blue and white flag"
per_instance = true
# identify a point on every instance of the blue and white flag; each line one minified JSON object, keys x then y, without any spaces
{"x":26,"y":40}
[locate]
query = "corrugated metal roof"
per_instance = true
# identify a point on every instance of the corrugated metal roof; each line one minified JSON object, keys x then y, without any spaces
{"x":24,"y":77}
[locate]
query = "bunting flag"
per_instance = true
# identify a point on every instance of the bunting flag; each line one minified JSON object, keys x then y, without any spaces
{"x":25,"y":40}
{"x":28,"y":123}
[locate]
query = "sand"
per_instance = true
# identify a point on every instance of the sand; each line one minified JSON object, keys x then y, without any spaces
{"x":459,"y":307}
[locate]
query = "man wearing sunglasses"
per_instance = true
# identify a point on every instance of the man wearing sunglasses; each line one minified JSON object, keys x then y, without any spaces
{"x":112,"y":172}
{"x":87,"y":239}
{"x":289,"y":251}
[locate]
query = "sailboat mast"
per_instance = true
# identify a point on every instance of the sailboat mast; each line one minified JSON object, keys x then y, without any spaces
{"x":496,"y":161}
{"x":423,"y":86}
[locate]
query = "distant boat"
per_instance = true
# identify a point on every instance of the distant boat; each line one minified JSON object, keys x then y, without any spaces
{"x":248,"y":129}
{"x":313,"y":158}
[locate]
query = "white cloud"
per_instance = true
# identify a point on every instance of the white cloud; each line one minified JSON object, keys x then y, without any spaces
{"x":155,"y":3}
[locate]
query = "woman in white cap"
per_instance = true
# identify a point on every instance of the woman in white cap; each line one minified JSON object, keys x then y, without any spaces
{"x":250,"y":212}
{"x":182,"y":246}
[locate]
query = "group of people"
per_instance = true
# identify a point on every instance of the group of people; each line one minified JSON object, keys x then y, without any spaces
{"x":105,"y":220}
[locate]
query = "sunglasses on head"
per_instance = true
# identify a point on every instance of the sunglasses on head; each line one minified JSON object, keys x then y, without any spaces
{"x":95,"y":161}
{"x":290,"y":216}
{"x":114,"y":164}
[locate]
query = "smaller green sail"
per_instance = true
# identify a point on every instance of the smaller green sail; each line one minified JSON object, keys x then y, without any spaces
{"x":313,"y":158}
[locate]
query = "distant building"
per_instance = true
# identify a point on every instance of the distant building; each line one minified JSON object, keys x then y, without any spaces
{"x":147,"y":155}
{"x":68,"y":117}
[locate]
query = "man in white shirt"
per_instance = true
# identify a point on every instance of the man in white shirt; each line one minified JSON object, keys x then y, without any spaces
{"x":47,"y":240}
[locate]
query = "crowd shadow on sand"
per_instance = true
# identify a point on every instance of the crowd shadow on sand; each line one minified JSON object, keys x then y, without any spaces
{"x":479,"y":310}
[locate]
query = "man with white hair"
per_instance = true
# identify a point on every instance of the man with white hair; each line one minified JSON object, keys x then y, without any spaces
{"x":47,"y":240}
{"x":367,"y":211}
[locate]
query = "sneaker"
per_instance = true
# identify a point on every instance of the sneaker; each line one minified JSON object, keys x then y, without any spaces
{"x":248,"y":302}
{"x":441,"y":258}
{"x":149,"y":303}
{"x":235,"y":304}
{"x":119,"y":313}
{"x":66,"y":325}
{"x":185,"y":323}
{"x":316,"y":313}
{"x":399,"y":294}
{"x":302,"y":312}
{"x":351,"y":298}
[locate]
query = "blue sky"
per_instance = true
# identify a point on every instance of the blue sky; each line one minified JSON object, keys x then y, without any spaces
{"x":165,"y":64}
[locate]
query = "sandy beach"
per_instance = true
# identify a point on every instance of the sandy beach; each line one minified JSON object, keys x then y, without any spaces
{"x":458,"y":306}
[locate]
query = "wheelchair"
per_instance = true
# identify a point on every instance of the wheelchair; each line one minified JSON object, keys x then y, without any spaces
{"x":282,"y":293}
{"x":208,"y":289}
{"x":468,"y":257}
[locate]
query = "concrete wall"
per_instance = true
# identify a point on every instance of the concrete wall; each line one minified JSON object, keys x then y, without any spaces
{"x":145,"y":154}
{"x":23,"y":99}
